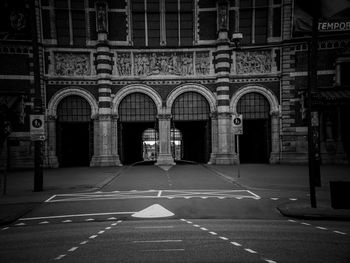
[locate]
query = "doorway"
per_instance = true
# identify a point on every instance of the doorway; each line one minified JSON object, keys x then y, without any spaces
{"x":255,"y":143}
{"x":74,"y":132}
{"x":191,"y":117}
{"x":137,"y":113}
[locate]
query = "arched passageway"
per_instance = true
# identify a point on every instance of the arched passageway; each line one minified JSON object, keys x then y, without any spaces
{"x":74,"y":132}
{"x":137,"y":112}
{"x":191,"y":117}
{"x":255,"y":143}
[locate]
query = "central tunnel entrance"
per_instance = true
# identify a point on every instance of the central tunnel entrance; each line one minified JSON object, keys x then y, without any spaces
{"x":191,"y":128}
{"x":137,"y":123}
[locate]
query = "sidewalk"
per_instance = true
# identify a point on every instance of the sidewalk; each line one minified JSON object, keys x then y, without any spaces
{"x":20,"y":197}
{"x":289,"y":178}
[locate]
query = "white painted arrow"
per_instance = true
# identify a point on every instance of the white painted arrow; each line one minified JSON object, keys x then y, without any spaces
{"x":153,"y":211}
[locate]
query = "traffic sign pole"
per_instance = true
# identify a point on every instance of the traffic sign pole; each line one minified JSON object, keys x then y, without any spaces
{"x":238,"y":159}
{"x":38,"y":108}
{"x":237,"y":124}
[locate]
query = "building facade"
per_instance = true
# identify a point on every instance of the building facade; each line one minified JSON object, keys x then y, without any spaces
{"x":133,"y":80}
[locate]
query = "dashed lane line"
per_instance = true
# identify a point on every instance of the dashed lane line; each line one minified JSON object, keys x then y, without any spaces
{"x":72,"y":249}
{"x":158,"y":241}
{"x":236,"y":244}
{"x":317,"y":227}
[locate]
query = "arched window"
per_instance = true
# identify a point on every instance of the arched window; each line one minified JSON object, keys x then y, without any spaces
{"x":74,"y":109}
{"x":190,"y":106}
{"x":137,"y":107}
{"x":253,"y":106}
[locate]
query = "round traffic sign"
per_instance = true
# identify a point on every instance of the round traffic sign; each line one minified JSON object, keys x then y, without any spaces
{"x":37,"y":123}
{"x":237,"y":121}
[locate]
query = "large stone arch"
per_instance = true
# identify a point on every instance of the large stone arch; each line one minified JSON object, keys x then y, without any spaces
{"x":274,"y":113}
{"x":191,"y":87}
{"x":69,"y":91}
{"x":274,"y":106}
{"x":133,"y":88}
{"x":52,"y":160}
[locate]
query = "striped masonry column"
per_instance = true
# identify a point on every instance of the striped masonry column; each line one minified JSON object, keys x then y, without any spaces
{"x":104,"y":152}
{"x":222,"y":64}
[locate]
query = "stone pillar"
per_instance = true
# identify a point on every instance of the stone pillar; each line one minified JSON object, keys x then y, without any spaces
{"x":164,"y":156}
{"x":214,"y":138}
{"x":51,"y":157}
{"x":104,"y":155}
{"x":222,"y":65}
{"x":275,"y":140}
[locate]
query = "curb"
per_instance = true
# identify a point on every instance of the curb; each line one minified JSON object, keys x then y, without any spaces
{"x":303,"y":211}
{"x":21,"y":209}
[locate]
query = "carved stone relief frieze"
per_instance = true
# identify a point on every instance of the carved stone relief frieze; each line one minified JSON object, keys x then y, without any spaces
{"x":72,"y":64}
{"x":254,"y":62}
{"x":160,"y":63}
{"x":202,"y":63}
{"x":163,"y":63}
{"x":123,"y":63}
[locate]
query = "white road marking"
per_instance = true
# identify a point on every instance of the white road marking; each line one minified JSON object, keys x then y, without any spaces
{"x":250,"y":251}
{"x":52,"y":197}
{"x":112,"y":218}
{"x":203,"y":228}
{"x":274,"y":198}
{"x":72,"y":249}
{"x":184,"y":193}
{"x":236,"y":244}
{"x":44,"y":222}
{"x":20,"y":224}
{"x":4,"y":228}
{"x":339,"y":232}
{"x":255,"y":195}
{"x":153,"y":211}
{"x":89,"y":219}
{"x":157,"y":241}
{"x":196,"y":225}
{"x":293,"y":221}
{"x":233,"y":243}
{"x":108,"y":228}
{"x":60,"y":257}
{"x":305,"y":224}
{"x":322,"y":228}
{"x":293,"y":199}
{"x":151,"y":227}
{"x":74,"y":215}
{"x":67,"y":221}
{"x":163,"y":250}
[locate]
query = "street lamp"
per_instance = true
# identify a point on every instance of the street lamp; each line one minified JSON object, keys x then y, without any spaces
{"x":236,"y":40}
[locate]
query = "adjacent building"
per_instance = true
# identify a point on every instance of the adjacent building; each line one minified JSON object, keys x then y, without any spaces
{"x":124,"y":81}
